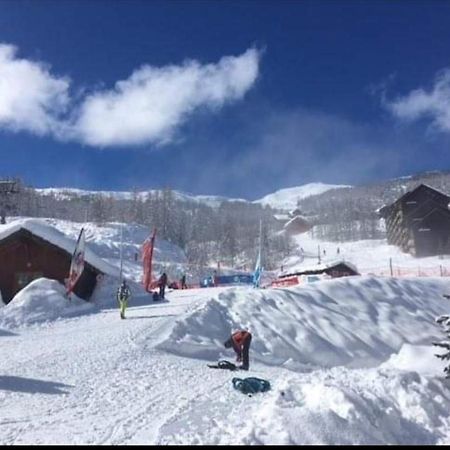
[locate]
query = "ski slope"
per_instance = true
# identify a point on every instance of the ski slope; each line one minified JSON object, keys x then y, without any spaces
{"x":350,"y":361}
{"x":371,"y":256}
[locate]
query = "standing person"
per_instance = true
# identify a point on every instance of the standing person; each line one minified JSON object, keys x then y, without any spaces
{"x":183,"y":282}
{"x":240,"y":341}
{"x":162,"y":285}
{"x":123,"y":295}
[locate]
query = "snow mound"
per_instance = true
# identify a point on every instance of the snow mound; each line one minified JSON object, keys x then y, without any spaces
{"x":351,"y":407}
{"x":41,"y":301}
{"x":352,"y":321}
{"x":417,"y":358}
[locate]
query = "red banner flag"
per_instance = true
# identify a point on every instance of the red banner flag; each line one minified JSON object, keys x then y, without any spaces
{"x":77,"y":263}
{"x":147,"y":255}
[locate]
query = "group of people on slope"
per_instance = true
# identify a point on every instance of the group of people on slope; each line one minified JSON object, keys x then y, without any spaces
{"x":124,"y":292}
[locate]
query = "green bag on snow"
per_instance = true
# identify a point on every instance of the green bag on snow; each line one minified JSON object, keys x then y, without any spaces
{"x":250,"y":385}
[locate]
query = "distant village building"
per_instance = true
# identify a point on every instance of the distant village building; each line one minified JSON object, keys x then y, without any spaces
{"x":333,"y":269}
{"x":31,"y":249}
{"x":419,"y":222}
{"x":294,"y":223}
{"x":308,"y":274}
{"x":297,"y":225}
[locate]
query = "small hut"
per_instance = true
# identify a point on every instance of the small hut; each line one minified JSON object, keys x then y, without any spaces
{"x":31,"y":249}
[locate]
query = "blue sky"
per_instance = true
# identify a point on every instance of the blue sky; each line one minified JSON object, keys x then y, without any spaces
{"x":227,"y":98}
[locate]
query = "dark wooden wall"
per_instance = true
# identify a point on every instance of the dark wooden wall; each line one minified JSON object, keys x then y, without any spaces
{"x":419,"y":222}
{"x":24,"y":257}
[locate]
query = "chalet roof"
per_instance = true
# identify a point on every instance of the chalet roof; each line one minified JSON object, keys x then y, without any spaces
{"x":318,"y":268}
{"x":53,"y":236}
{"x":385,"y":210}
{"x":282,"y":217}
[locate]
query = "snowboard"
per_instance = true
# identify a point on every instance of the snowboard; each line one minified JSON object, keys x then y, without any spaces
{"x":224,"y":364}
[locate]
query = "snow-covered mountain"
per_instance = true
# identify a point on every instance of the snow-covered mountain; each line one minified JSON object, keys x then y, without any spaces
{"x":68,"y":193}
{"x":287,"y":198}
{"x":283,"y":199}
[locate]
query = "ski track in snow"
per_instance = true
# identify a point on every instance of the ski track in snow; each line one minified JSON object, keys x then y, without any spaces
{"x":133,"y":382}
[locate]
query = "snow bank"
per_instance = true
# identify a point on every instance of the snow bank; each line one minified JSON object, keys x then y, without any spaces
{"x":417,"y":358}
{"x":353,"y":321}
{"x":352,"y":407}
{"x":41,"y":301}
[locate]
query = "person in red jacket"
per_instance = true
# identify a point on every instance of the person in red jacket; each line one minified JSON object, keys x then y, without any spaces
{"x":240,"y":341}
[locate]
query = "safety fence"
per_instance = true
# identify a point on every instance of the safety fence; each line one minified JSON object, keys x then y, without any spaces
{"x":399,"y":271}
{"x":394,"y":271}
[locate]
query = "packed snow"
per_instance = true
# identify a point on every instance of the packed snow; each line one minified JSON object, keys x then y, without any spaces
{"x":350,"y":360}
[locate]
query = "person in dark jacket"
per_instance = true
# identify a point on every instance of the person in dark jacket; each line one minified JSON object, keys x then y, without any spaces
{"x":240,"y":341}
{"x":183,"y":282}
{"x":162,"y":285}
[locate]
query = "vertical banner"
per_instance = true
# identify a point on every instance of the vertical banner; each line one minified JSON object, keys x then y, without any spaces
{"x":258,"y":270}
{"x":77,"y":263}
{"x":147,"y":255}
{"x":258,"y":267}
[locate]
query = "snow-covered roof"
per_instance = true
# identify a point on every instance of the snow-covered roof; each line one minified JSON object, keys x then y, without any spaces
{"x":282,"y":217}
{"x":56,"y":237}
{"x":318,"y":267}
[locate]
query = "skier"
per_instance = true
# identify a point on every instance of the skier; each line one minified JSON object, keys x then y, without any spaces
{"x":240,"y":341}
{"x":162,"y":282}
{"x":183,"y":282}
{"x":123,"y":295}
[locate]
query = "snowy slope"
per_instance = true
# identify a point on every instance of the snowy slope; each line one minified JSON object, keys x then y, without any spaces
{"x":372,"y":256}
{"x":286,"y":199}
{"x":350,"y":361}
{"x":94,"y":379}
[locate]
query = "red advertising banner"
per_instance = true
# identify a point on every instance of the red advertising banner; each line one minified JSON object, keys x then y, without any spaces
{"x":147,"y":255}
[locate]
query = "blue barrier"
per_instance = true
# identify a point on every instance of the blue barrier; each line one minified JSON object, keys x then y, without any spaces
{"x":227,"y":279}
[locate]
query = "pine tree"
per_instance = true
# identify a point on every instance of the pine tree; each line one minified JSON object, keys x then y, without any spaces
{"x":445,"y":322}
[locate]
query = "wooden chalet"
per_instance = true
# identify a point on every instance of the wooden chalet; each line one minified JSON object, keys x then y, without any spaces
{"x":26,"y":253}
{"x":335,"y":270}
{"x":419,"y":222}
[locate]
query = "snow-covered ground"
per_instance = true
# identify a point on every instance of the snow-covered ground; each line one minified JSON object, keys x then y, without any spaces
{"x":350,"y":361}
{"x":373,"y":256}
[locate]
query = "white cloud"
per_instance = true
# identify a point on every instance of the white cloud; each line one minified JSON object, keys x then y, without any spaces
{"x":434,"y":104}
{"x":148,"y":107}
{"x":153,"y":102}
{"x":30,"y":98}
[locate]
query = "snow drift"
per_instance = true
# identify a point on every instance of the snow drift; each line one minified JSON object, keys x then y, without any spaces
{"x":353,"y":321}
{"x":42,"y":300}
